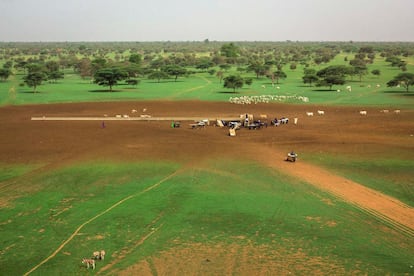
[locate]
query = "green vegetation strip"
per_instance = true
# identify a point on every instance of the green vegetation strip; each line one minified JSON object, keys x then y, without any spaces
{"x":114,"y":206}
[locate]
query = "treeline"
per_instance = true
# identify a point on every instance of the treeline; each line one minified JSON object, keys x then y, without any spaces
{"x":107,"y":63}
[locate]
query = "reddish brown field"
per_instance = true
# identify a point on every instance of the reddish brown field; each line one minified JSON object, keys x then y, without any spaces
{"x":342,"y":130}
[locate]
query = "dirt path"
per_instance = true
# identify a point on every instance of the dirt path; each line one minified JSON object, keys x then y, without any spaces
{"x":388,"y":209}
{"x":192,"y":89}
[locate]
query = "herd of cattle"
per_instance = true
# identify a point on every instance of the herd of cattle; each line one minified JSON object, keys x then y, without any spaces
{"x":249,"y":122}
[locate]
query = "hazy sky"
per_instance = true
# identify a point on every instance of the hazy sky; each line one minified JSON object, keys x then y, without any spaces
{"x":223,"y":20}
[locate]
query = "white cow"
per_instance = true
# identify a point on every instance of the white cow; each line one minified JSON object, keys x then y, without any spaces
{"x":363,"y":112}
{"x":89,"y":263}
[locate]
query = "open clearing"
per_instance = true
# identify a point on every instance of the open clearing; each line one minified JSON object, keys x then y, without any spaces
{"x":341,"y":131}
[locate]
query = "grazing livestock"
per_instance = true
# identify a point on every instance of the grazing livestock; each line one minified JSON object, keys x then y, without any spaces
{"x":95,"y":255}
{"x":384,"y":111}
{"x":321,"y":112}
{"x":309,"y":114}
{"x":266,"y":99}
{"x":134,"y":111}
{"x":263,"y":116}
{"x":349,"y":88}
{"x":378,"y":85}
{"x":397,"y":111}
{"x":98,"y":255}
{"x":102,"y":254}
{"x":263,"y":86}
{"x":89,"y":263}
{"x":363,"y":112}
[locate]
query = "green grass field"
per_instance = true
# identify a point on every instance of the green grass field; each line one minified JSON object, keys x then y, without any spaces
{"x":203,"y":86}
{"x":194,"y":205}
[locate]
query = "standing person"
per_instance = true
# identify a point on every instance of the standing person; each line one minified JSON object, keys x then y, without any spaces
{"x":103,"y":124}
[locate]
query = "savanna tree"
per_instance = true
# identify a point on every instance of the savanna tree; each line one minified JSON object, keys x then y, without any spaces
{"x":36,"y":74}
{"x":233,"y":82}
{"x":34,"y":79}
{"x":4,"y":73}
{"x":158,"y":75}
{"x":309,"y":76}
{"x":109,"y":76}
{"x":279,"y":74}
{"x":332,"y":75}
{"x":174,"y":70}
{"x":403,"y":79}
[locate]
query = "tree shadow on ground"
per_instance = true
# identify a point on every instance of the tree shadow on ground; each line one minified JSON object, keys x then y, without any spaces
{"x":400,"y":93}
{"x":228,"y":92}
{"x":104,"y":91}
{"x":31,"y":92}
{"x":324,"y":90}
{"x":165,"y":81}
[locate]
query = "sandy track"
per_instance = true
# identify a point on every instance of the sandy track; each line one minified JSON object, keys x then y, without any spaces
{"x":388,"y":209}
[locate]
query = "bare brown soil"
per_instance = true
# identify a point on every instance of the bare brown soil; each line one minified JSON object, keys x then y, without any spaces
{"x":233,"y":259}
{"x":342,"y":130}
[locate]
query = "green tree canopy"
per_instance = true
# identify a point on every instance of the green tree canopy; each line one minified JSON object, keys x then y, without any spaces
{"x":332,"y":75}
{"x":174,"y":70}
{"x":158,"y":75}
{"x":97,"y":64}
{"x":403,"y":79}
{"x":279,"y":74}
{"x":109,"y":76}
{"x":54,"y":75}
{"x":34,"y":79}
{"x":5,"y":73}
{"x":233,"y":82}
{"x":230,"y":50}
{"x":135,"y":58}
{"x":204,"y":64}
{"x":376,"y":72}
{"x":248,"y":81}
{"x":258,"y":68}
{"x":52,"y":71}
{"x":359,"y":67}
{"x":309,"y":76}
